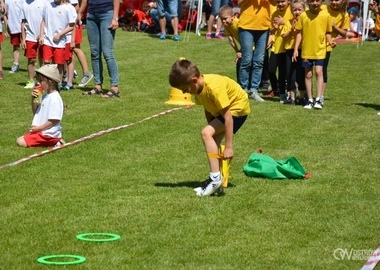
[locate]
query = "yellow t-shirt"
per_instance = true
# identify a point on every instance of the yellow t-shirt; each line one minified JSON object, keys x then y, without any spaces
{"x":220,"y":92}
{"x":313,"y":27}
{"x":340,"y":18}
{"x":255,"y":15}
{"x":232,"y":30}
{"x":279,"y":45}
{"x":289,"y":40}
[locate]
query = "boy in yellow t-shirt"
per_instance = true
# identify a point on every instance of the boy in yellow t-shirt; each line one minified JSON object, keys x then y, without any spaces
{"x":231,"y":31}
{"x":314,"y":29}
{"x":226,"y":108}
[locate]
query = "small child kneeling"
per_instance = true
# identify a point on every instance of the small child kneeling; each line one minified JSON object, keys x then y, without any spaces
{"x":46,"y":125}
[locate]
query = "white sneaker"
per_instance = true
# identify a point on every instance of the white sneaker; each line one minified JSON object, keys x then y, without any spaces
{"x":378,"y":113}
{"x":208,"y":187}
{"x":309,"y":105}
{"x":15,"y":68}
{"x":256,"y":97}
{"x":318,"y":105}
{"x":30,"y":85}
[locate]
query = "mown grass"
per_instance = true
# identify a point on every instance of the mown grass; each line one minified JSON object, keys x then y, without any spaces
{"x":137,"y":181}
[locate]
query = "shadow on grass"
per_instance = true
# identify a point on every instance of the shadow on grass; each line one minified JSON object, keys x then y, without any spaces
{"x":372,"y":106}
{"x":190,"y":184}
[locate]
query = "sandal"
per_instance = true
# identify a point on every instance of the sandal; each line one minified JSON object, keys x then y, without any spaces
{"x":111,"y":93}
{"x":94,"y":91}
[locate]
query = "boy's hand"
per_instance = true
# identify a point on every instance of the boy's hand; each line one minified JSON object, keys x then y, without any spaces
{"x":35,"y":93}
{"x":228,"y":152}
{"x":295,"y":56}
{"x":33,"y":129}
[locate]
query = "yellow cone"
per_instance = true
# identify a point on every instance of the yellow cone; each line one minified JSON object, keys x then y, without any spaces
{"x":224,"y":167}
{"x":177,"y":97}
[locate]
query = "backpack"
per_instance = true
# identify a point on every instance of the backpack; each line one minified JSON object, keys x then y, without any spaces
{"x":260,"y":165}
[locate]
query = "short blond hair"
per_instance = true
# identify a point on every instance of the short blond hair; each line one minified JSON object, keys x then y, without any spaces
{"x":226,"y":10}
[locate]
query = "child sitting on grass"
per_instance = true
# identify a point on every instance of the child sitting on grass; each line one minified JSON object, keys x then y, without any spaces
{"x":226,"y":108}
{"x":46,"y":125}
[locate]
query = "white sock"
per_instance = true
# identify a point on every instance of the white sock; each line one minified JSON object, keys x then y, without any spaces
{"x":215,"y":176}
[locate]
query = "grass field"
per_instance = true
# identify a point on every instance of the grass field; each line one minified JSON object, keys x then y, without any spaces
{"x":137,"y":182}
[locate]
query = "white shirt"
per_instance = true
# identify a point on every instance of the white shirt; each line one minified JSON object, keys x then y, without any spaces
{"x":57,"y":18}
{"x":51,"y":108}
{"x":356,"y":26}
{"x":73,"y":15}
{"x":14,"y":11}
{"x":32,"y":13}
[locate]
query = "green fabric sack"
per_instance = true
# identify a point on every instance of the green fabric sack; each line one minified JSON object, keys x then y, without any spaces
{"x":260,"y":165}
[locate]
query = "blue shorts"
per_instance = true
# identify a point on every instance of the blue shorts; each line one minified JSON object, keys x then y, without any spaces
{"x":238,"y":121}
{"x":171,"y":6}
{"x":306,"y":63}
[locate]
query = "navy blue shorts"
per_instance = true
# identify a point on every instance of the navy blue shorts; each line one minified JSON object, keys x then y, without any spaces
{"x":306,"y":63}
{"x":238,"y":121}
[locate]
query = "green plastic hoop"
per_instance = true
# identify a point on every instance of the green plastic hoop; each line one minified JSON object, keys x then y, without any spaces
{"x":45,"y":259}
{"x":87,"y":237}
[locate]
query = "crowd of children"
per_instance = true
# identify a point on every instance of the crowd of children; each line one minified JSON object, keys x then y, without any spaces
{"x":48,"y":32}
{"x":302,"y":36}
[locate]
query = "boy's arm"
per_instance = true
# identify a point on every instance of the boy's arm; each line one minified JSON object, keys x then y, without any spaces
{"x":23,"y":34}
{"x":229,"y":128}
{"x":42,"y":32}
{"x":69,"y":28}
{"x":232,"y":42}
{"x":297,"y":45}
{"x":330,"y":42}
{"x":48,"y":124}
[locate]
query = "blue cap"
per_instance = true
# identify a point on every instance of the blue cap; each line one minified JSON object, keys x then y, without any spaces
{"x":353,"y":10}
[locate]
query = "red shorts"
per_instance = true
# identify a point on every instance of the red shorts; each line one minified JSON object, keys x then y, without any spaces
{"x":1,"y":37}
{"x":15,"y":39}
{"x":37,"y":139}
{"x":78,"y":34}
{"x":68,"y":52}
{"x":57,"y":55}
{"x":33,"y":49}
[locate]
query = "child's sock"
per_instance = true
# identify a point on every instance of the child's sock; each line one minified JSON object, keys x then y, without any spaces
{"x":215,"y":176}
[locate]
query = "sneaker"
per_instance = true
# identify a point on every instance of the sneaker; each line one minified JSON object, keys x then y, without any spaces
{"x":208,"y":36}
{"x":255,"y":96}
{"x":162,"y":36}
{"x":67,"y":87}
{"x":290,"y":102}
{"x":1,"y":75}
{"x":378,"y":113}
{"x":30,"y":85}
{"x":176,"y":38}
{"x":220,"y":36}
{"x":318,"y":105}
{"x":309,"y":105}
{"x":266,"y":86}
{"x":283,"y":98}
{"x":15,"y":68}
{"x":87,"y":77}
{"x":75,"y":74}
{"x":208,"y":187}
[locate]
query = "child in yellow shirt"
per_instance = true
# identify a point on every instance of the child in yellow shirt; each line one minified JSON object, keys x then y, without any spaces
{"x":226,"y":108}
{"x":314,"y":29}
